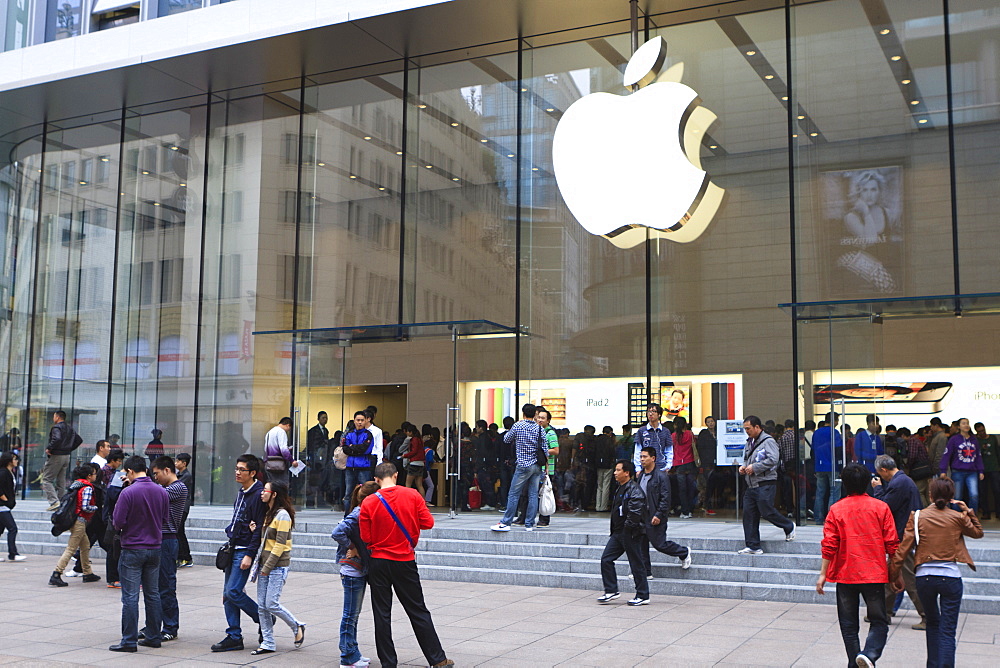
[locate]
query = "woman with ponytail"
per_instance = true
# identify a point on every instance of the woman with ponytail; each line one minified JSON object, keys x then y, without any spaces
{"x":937,"y":534}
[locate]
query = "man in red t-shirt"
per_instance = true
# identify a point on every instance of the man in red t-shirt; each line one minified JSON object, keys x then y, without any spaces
{"x":858,"y":534}
{"x":390,"y":523}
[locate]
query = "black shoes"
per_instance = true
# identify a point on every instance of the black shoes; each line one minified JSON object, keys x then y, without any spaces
{"x":55,"y":580}
{"x":261,"y":650}
{"x":91,"y":577}
{"x":123,"y":648}
{"x":300,"y":636}
{"x":228,"y":644}
{"x":146,"y":642}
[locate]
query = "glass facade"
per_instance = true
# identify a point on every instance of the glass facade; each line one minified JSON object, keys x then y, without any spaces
{"x":855,"y":143}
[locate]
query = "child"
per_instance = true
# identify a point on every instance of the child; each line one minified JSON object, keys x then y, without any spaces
{"x":83,"y":486}
{"x":352,"y":555}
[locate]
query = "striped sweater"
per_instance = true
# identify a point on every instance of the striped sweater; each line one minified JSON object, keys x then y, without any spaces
{"x":277,"y":551}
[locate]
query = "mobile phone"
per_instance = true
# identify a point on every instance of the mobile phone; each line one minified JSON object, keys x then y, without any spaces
{"x":892,"y":398}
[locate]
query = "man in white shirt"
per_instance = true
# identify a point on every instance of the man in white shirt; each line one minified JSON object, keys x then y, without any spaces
{"x":101,"y":458}
{"x":277,"y":455}
{"x":378,"y":451}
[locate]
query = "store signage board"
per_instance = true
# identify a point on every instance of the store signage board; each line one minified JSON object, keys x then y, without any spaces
{"x":629,"y":166}
{"x":731,"y":441}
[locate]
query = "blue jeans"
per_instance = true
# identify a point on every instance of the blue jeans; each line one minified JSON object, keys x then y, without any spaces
{"x":168,"y":586}
{"x":827,"y":493}
{"x":135,"y":568}
{"x":967,"y":480}
{"x":530,"y":476}
{"x":269,"y":603}
{"x":354,"y":598}
{"x":942,"y":600}
{"x":234,"y":598}
{"x":353,"y":478}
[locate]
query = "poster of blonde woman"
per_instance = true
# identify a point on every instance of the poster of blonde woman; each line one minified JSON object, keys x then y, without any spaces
{"x":863,"y":212}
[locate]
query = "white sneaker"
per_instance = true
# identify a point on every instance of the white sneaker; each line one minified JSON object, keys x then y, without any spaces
{"x":487,"y":508}
{"x":864,"y":662}
{"x":747,"y":550}
{"x":639,"y":601}
{"x":685,"y":516}
{"x":72,"y":574}
{"x":607,"y":598}
{"x":686,"y":561}
{"x":19,"y":557}
{"x":790,"y":536}
{"x":529,"y":528}
{"x":500,"y":526}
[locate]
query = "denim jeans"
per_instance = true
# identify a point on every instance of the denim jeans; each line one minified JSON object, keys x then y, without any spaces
{"x":269,"y":603}
{"x":139,"y":567}
{"x":967,"y":480}
{"x":234,"y":598}
{"x":353,"y":478}
{"x":523,"y":476}
{"x":168,"y":585}
{"x":942,"y":599}
{"x":354,"y":598}
{"x":827,"y":493}
{"x":848,"y":601}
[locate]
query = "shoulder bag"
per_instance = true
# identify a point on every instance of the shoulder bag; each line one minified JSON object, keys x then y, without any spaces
{"x":224,"y":558}
{"x":395,"y":519}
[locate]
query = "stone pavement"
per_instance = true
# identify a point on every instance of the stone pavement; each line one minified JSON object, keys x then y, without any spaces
{"x":479,"y":625}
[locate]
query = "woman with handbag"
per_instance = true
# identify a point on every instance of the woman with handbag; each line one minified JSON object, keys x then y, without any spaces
{"x":352,"y":555}
{"x":272,"y":565}
{"x":936,"y":533}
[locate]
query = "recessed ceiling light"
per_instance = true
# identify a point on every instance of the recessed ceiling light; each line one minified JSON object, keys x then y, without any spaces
{"x":429,"y":166}
{"x":524,"y":90}
{"x":922,"y":120}
{"x":534,"y":169}
{"x":800,"y":117}
{"x":454,"y":125}
{"x":915,"y":102}
{"x":550,"y":109}
{"x":884,"y":31}
{"x":795,"y":136}
{"x":399,"y":153}
{"x":751,"y":52}
{"x":813,"y":134}
{"x":104,"y":159}
{"x":321,"y":164}
{"x":484,"y":140}
{"x":510,"y":155}
{"x":714,"y":146}
{"x":422,"y":106}
{"x":768,"y":76}
{"x":145,"y":172}
{"x":895,"y":58}
{"x":454,"y":178}
{"x":368,"y":138}
{"x":381,"y":187}
{"x":156,"y":204}
{"x":83,"y":183}
{"x":353,"y":176}
{"x":784,"y":98}
{"x":183,"y":185}
{"x":173,"y":148}
{"x":905,"y":82}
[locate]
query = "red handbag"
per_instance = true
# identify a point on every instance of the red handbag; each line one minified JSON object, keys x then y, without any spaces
{"x":475,"y":495}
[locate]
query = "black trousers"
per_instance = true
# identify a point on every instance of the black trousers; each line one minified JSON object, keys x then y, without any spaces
{"x":758,"y":502}
{"x":619,"y":544}
{"x":848,"y":600}
{"x":385,"y":577}
{"x":183,"y":549}
{"x":7,"y":522}
{"x":656,"y":537}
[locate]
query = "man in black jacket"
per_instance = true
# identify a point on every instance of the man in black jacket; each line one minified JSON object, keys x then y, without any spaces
{"x":656,"y":488}
{"x":626,"y":536}
{"x":62,"y":442}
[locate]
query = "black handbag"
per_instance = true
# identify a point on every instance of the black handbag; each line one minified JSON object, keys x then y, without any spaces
{"x":921,"y":471}
{"x":225,"y":556}
{"x":542,"y":449}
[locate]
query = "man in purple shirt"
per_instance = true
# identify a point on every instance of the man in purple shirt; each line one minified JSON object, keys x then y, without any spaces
{"x":140,"y":514}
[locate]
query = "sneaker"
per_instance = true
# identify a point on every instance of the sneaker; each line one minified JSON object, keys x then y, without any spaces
{"x":487,"y":508}
{"x":91,"y":577}
{"x":529,"y":528}
{"x":685,"y":516}
{"x":167,"y":637}
{"x":686,"y":561}
{"x":185,"y":564}
{"x":710,"y":512}
{"x":649,"y":577}
{"x":864,"y":662}
{"x":73,"y":574}
{"x":790,"y":536}
{"x":920,"y":626}
{"x":607,"y":598}
{"x":19,"y":557}
{"x":639,"y":601}
{"x":228,"y":644}
{"x":114,"y":585}
{"x":500,"y":526}
{"x":53,"y":507}
{"x":446,"y":662}
{"x":3,"y":559}
{"x":748,"y":550}
{"x":55,"y":580}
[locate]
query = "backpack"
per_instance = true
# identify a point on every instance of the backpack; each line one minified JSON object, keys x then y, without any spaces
{"x":64,"y":517}
{"x":340,"y":458}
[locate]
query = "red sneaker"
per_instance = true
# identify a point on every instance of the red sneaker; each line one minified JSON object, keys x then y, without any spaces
{"x":710,"y":512}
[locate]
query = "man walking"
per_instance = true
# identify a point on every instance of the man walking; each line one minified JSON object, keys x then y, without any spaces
{"x":140,"y":513}
{"x":654,"y":434}
{"x":359,"y":447}
{"x":760,"y":468}
{"x":278,"y":456}
{"x":247,"y":509}
{"x":165,"y":475}
{"x":63,"y":440}
{"x":528,"y":440}
{"x":627,"y":536}
{"x":937,"y":443}
{"x":900,"y":493}
{"x":656,"y":487}
{"x":390,"y":523}
{"x":857,"y":536}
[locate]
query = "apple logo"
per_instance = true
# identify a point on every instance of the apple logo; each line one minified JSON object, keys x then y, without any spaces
{"x":629,"y":165}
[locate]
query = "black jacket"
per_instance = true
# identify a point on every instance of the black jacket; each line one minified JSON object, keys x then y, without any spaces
{"x":657,"y":497}
{"x":247,"y":508}
{"x":62,"y":439}
{"x":627,"y":509}
{"x":316,"y":441}
{"x":902,"y":497}
{"x":7,"y":488}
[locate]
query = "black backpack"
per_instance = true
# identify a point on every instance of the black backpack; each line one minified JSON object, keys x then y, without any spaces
{"x":65,"y":515}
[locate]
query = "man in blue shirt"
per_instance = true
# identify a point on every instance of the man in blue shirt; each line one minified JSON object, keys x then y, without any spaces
{"x":654,"y":434}
{"x":528,"y":440}
{"x":828,"y":460}
{"x":868,"y":444}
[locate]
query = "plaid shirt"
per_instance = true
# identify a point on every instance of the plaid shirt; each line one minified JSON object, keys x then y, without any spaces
{"x":525,"y":436}
{"x":786,"y":445}
{"x":916,"y":453}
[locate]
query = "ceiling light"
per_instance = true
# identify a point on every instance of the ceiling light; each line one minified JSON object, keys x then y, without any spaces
{"x":768,"y":76}
{"x":795,"y":136}
{"x":813,"y":134}
{"x":455,"y":178}
{"x":550,"y":110}
{"x":895,"y":58}
{"x":784,"y":98}
{"x":173,"y":148}
{"x":454,"y":125}
{"x":321,"y":164}
{"x":510,"y":155}
{"x":524,"y":90}
{"x":145,"y":172}
{"x":714,"y":146}
{"x":156,"y":204}
{"x":353,"y":176}
{"x":429,"y":166}
{"x":381,"y":187}
{"x":422,"y":106}
{"x":905,"y":82}
{"x":534,"y":169}
{"x":368,"y":138}
{"x":399,"y":153}
{"x":183,"y":185}
{"x":922,"y":120}
{"x":915,"y":102}
{"x":484,"y":140}
{"x":751,"y":52}
{"x":104,"y":159}
{"x":83,"y":183}
{"x":884,"y":31}
{"x":801,"y":118}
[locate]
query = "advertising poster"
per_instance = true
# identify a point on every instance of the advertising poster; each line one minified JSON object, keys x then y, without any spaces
{"x":731,"y":441}
{"x":862,"y":211}
{"x":676,"y":400}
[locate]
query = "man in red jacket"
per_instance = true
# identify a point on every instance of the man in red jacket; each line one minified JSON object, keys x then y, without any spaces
{"x":858,"y":535}
{"x":390,"y":524}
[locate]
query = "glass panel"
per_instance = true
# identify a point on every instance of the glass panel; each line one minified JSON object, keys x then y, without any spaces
{"x":15,"y":24}
{"x":168,"y":7}
{"x":63,"y":19}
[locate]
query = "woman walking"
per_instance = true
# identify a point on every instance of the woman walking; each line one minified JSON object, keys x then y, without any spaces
{"x":936,"y":532}
{"x":415,"y":460}
{"x":279,"y":520}
{"x":352,"y":555}
{"x":8,"y":499}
